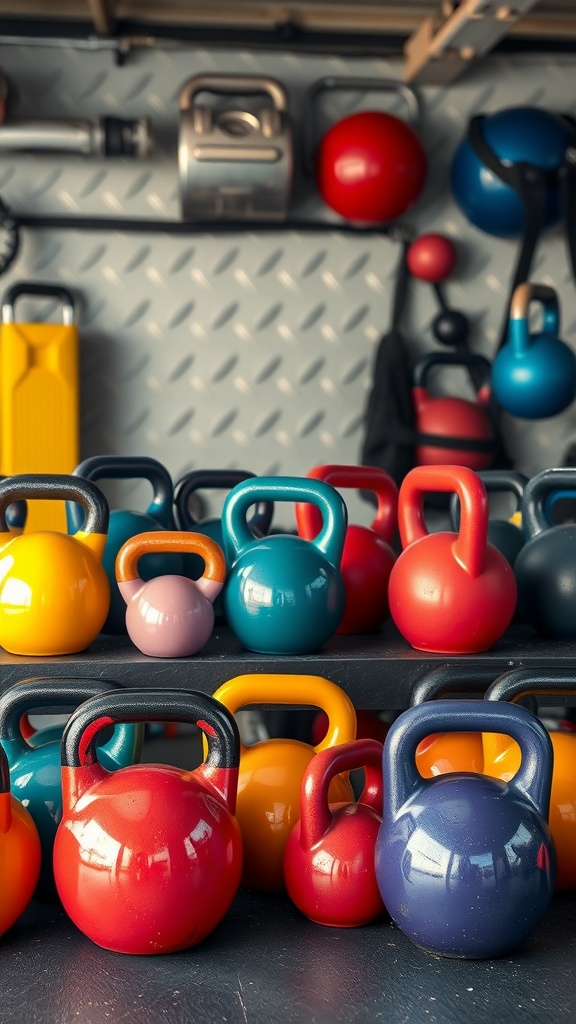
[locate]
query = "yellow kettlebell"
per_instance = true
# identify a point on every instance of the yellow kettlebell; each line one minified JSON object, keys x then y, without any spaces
{"x":54,"y":593}
{"x":271,"y":771}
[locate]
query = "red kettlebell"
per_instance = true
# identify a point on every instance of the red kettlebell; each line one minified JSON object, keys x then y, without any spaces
{"x":370,"y":166}
{"x":148,"y":859}
{"x":450,"y":593}
{"x":329,"y":858}
{"x":447,"y":421}
{"x":431,"y":258}
{"x":367,"y":558}
{"x":20,"y":852}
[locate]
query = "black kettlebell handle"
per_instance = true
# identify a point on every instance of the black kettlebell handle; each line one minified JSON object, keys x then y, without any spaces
{"x":56,"y":486}
{"x":133,"y":467}
{"x":534,"y":518}
{"x":423,"y":367}
{"x":38,"y":290}
{"x":522,"y":682}
{"x":217,"y":723}
{"x":501,"y":480}
{"x":456,"y":680}
{"x":55,"y":695}
{"x":217,"y":479}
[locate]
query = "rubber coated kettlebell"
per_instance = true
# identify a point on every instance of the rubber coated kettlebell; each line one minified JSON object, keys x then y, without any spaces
{"x":126,"y":523}
{"x":148,"y":859}
{"x":54,"y":594}
{"x":170,"y":616}
{"x":271,"y":770}
{"x":457,"y":431}
{"x":546,"y":566}
{"x":465,"y":863}
{"x":534,"y":375}
{"x":368,"y":557}
{"x":214,"y":479}
{"x":20,"y":853}
{"x":342,"y":834}
{"x":451,"y":593}
{"x":504,"y":534}
{"x":35,"y":765}
{"x":283,"y":594}
{"x":502,"y":758}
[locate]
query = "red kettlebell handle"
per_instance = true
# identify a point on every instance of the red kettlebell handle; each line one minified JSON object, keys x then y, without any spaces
{"x":316,"y":816}
{"x":367,"y":478}
{"x":469,"y":547}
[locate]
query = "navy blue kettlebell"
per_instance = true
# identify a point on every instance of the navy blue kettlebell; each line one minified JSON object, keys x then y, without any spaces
{"x":187,"y":489}
{"x":284,"y":594}
{"x":35,"y":764}
{"x":534,"y":374}
{"x":466,"y":863}
{"x":125,"y":523}
{"x":545,"y":569}
{"x":504,"y":534}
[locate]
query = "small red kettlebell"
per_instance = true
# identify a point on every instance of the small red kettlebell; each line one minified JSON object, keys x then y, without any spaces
{"x":450,"y":593}
{"x":147,"y":859}
{"x":449,"y":421}
{"x":329,"y":858}
{"x":367,"y":558}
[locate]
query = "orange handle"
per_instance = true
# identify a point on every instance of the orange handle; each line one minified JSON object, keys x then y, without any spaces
{"x":170,"y":540}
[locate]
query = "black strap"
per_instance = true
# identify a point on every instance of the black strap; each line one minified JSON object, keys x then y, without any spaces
{"x":568,"y":186}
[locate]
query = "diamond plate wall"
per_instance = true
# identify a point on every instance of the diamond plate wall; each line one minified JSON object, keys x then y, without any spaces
{"x":252,"y":350}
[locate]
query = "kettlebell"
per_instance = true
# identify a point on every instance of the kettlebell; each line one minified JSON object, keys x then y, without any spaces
{"x":54,"y":594}
{"x":545,"y":569}
{"x":466,"y":863}
{"x":504,"y":534}
{"x":456,"y":430}
{"x":215,"y":479}
{"x":439,"y":754}
{"x":148,"y":859}
{"x":35,"y":765}
{"x":329,"y":858}
{"x":502,"y":757}
{"x":449,"y":593}
{"x":367,"y":558}
{"x":170,"y":616}
{"x":126,"y":523}
{"x":271,"y":770}
{"x":20,"y":853}
{"x":283,"y":594}
{"x":534,"y":374}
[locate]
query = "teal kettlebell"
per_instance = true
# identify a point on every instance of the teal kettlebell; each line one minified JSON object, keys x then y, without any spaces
{"x":35,"y":765}
{"x":125,"y":523}
{"x":187,"y":489}
{"x":284,"y":594}
{"x":534,"y":375}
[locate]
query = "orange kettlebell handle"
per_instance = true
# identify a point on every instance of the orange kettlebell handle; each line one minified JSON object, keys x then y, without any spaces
{"x":469,"y":548}
{"x":170,"y":541}
{"x":313,"y":691}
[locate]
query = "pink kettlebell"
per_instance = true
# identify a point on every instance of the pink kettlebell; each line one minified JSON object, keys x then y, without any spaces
{"x":170,"y":616}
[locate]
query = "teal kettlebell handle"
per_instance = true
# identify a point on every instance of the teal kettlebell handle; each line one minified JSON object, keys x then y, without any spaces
{"x":402,"y":779}
{"x":518,"y":329}
{"x":330,"y":540}
{"x":535,"y":507}
{"x":141,"y":467}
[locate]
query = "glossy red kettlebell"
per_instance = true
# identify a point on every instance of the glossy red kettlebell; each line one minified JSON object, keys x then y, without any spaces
{"x":329,"y":859}
{"x":367,"y":558}
{"x":457,"y":431}
{"x":148,"y":859}
{"x":431,"y":258}
{"x":450,"y":593}
{"x":20,"y":853}
{"x":271,"y":771}
{"x":170,"y":616}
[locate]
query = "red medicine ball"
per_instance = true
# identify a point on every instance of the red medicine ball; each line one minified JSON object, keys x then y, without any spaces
{"x":370,"y":167}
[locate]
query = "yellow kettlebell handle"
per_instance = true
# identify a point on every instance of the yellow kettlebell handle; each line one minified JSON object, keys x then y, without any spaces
{"x":311,"y":691}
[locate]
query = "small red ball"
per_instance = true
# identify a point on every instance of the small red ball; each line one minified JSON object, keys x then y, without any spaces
{"x":370,"y":167}
{"x":432,"y":258}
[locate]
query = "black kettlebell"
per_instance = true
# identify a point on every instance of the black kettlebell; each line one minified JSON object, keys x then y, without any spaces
{"x":545,"y":568}
{"x":504,"y":534}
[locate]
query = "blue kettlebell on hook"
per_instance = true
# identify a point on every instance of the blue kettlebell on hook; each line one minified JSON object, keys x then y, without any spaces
{"x":534,"y":375}
{"x":284,"y":594}
{"x":125,"y":523}
{"x":35,"y":764}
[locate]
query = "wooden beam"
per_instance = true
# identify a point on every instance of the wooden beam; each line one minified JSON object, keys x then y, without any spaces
{"x":102,"y":13}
